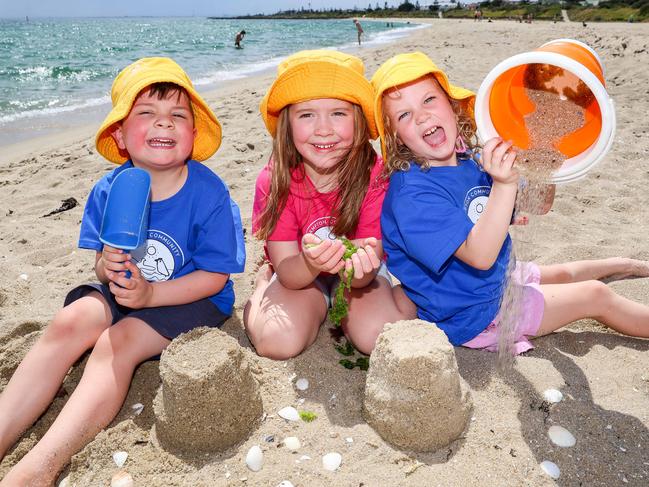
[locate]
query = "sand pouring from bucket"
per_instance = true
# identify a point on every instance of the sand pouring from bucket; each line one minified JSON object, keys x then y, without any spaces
{"x":565,"y":67}
{"x":126,"y":215}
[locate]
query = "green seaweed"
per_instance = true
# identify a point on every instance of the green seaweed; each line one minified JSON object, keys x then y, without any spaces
{"x":347,"y":349}
{"x":307,"y":416}
{"x":340,"y":306}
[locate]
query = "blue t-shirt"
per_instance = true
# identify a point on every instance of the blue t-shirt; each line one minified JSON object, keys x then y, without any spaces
{"x":198,"y":228}
{"x":427,"y":215}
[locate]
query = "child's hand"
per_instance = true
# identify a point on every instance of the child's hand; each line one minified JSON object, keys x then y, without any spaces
{"x":114,"y":261}
{"x":498,"y":159}
{"x":323,"y":255}
{"x":365,"y":260}
{"x":134,"y":292}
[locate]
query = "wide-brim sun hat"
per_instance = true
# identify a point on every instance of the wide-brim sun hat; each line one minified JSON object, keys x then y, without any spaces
{"x":405,"y":68}
{"x":315,"y":74}
{"x":130,"y":82}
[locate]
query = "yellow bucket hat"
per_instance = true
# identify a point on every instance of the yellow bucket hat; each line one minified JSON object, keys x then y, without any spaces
{"x":404,"y":68}
{"x":136,"y":77}
{"x":308,"y":75}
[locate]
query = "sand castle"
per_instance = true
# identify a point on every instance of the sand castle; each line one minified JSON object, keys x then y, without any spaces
{"x":209,"y":399}
{"x":414,"y":396}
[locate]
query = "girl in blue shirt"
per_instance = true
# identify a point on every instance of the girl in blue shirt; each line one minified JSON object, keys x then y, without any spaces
{"x":447,"y":246}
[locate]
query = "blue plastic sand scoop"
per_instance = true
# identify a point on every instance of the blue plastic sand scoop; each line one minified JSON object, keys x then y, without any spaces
{"x":126,"y":216}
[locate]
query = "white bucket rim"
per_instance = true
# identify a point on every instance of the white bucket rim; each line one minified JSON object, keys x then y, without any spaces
{"x":575,"y":167}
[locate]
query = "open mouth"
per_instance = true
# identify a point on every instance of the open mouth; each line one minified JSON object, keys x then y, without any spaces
{"x":435,"y":136}
{"x":161,"y":143}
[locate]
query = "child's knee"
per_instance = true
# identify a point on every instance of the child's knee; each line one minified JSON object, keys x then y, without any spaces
{"x":277,"y":344}
{"x":68,"y":324}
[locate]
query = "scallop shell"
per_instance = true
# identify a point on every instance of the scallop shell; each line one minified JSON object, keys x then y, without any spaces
{"x":255,"y":458}
{"x":561,"y":436}
{"x":331,"y":461}
{"x":137,"y":408}
{"x":292,"y":443}
{"x":551,"y":469}
{"x":289,"y":413}
{"x":122,"y":479}
{"x":119,"y":457}
{"x":302,"y":384}
{"x":552,"y":395}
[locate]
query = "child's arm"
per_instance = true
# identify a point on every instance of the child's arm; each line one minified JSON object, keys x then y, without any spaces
{"x":486,"y":238}
{"x":295,"y":269}
{"x":136,"y":292}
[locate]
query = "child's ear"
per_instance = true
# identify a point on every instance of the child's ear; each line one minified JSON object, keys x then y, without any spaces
{"x":118,"y":136}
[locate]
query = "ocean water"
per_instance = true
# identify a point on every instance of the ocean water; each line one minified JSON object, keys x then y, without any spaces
{"x":56,"y":73}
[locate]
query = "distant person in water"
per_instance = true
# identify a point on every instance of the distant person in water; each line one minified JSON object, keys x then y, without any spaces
{"x":359,"y":30}
{"x":238,"y":38}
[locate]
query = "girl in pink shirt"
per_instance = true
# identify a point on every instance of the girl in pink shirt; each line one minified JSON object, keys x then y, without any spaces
{"x":322,"y":183}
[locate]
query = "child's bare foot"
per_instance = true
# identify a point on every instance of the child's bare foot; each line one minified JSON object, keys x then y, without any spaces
{"x":264,"y":275}
{"x":631,"y":268}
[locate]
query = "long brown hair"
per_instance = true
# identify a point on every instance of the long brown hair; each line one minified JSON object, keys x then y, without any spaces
{"x":398,"y":156}
{"x":353,"y":176}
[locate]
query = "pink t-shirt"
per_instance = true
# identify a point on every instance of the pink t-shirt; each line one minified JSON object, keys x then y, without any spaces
{"x":308,"y":211}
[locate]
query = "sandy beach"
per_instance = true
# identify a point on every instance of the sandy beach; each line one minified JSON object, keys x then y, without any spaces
{"x":604,"y":377}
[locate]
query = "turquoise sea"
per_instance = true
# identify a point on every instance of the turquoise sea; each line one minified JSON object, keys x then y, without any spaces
{"x":56,"y":73}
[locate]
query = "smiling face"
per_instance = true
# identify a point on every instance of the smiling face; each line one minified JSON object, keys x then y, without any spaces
{"x":323,"y":133}
{"x":423,"y":118}
{"x":158,"y":133}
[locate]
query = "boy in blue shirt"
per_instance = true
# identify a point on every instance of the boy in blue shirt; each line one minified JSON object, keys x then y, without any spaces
{"x":179,"y":276}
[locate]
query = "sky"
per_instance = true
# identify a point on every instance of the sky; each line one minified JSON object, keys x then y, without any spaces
{"x":162,"y":8}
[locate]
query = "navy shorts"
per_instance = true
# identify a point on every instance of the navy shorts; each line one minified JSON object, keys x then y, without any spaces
{"x":168,"y":321}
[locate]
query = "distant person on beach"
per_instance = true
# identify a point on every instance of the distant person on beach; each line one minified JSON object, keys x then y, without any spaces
{"x":323,"y":182}
{"x":160,"y":124}
{"x":238,"y":38}
{"x":446,"y":217}
{"x":359,"y":30}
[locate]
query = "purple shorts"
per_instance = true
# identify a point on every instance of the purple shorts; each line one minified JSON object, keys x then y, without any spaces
{"x":528,"y":275}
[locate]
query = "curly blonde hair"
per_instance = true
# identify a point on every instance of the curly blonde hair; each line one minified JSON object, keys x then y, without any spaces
{"x":398,"y":156}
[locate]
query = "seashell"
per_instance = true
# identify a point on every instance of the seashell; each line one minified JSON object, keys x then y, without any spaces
{"x":137,"y":408}
{"x":292,"y":443}
{"x":302,"y":384}
{"x":24,"y":277}
{"x":331,"y":461}
{"x":289,"y":413}
{"x":255,"y":459}
{"x":119,"y":457}
{"x":121,"y":479}
{"x":349,"y":440}
{"x":561,"y":436}
{"x":65,"y":482}
{"x":550,"y":469}
{"x":553,"y":395}
{"x":285,"y":483}
{"x":304,"y":458}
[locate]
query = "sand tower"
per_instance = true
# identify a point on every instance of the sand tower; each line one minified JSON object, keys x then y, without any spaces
{"x":209,"y":399}
{"x":414,"y":396}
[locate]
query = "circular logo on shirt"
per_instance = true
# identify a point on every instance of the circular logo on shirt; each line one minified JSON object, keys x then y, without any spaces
{"x":156,"y":258}
{"x":475,"y":202}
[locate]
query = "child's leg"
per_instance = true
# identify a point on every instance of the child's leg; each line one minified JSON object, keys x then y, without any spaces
{"x":33,"y":385}
{"x":370,"y":308}
{"x":565,"y":303}
{"x":583,"y":270}
{"x":94,"y":403}
{"x":282,"y":322}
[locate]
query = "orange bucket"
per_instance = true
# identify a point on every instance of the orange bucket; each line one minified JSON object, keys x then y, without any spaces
{"x":502,"y":102}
